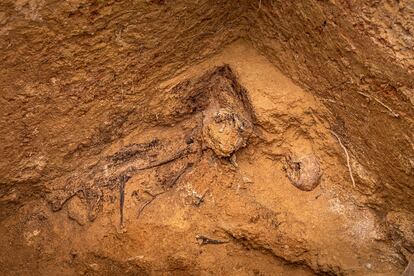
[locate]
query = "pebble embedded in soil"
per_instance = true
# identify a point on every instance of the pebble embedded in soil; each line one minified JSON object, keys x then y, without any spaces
{"x":304,"y":172}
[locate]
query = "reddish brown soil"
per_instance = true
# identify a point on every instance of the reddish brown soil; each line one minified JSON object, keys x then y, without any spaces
{"x":146,"y":137}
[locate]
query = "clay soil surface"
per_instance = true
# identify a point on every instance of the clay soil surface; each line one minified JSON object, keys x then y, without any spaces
{"x":238,"y":173}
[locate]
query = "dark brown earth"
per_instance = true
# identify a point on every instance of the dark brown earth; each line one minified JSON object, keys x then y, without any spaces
{"x":206,"y":137}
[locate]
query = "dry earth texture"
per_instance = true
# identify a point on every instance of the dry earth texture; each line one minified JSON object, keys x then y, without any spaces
{"x":206,"y":137}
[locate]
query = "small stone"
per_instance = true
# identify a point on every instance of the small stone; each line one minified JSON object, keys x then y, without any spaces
{"x":94,"y":267}
{"x":73,"y":253}
{"x":189,"y":141}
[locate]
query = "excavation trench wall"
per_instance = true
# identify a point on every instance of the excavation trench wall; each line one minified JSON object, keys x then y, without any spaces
{"x":76,"y":75}
{"x":357,"y":57}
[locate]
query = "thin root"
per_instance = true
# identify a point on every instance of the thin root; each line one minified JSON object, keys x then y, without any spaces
{"x":260,"y":5}
{"x":393,"y":113}
{"x":141,"y":209}
{"x":171,"y":184}
{"x":347,"y":157}
{"x":203,"y":240}
{"x":200,"y":199}
{"x":176,"y":156}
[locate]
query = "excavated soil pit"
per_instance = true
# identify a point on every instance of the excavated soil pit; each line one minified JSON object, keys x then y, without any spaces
{"x":197,"y":160}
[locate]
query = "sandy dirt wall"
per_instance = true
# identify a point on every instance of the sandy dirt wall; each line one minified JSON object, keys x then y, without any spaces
{"x":176,"y":192}
{"x":357,"y":56}
{"x":76,"y":74}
